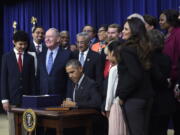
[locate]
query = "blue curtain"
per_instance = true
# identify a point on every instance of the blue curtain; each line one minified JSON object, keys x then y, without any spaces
{"x":72,"y":15}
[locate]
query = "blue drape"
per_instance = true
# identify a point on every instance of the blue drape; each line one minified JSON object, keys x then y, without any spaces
{"x":72,"y":15}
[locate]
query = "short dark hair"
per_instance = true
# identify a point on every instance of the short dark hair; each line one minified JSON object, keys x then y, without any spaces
{"x":74,"y":63}
{"x":172,"y":17}
{"x":104,"y":26}
{"x":36,"y":27}
{"x":114,"y":25}
{"x":21,"y":36}
{"x":156,"y":39}
{"x":93,"y":29}
{"x":151,"y":20}
{"x":115,"y":47}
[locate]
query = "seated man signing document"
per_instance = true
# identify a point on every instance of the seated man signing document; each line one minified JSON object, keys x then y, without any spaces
{"x":85,"y":93}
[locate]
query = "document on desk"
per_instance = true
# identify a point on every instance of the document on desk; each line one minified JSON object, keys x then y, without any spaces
{"x":46,"y":95}
{"x":57,"y":108}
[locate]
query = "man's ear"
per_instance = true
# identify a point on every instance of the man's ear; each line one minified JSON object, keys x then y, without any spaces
{"x":32,"y":35}
{"x":13,"y":42}
{"x":81,"y":69}
{"x":152,"y":27}
{"x":58,"y":39}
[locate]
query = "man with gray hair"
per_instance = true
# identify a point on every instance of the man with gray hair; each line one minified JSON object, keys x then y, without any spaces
{"x":52,"y":74}
{"x":91,"y":61}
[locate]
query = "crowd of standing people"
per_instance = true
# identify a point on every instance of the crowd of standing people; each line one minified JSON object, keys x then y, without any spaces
{"x":130,"y":74}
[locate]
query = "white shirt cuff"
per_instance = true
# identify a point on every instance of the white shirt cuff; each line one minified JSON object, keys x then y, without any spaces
{"x":5,"y":101}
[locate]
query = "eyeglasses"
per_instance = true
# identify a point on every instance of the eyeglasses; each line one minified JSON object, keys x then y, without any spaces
{"x":39,"y":33}
{"x":88,"y":31}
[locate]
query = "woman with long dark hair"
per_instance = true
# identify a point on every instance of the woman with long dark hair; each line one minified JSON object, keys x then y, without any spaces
{"x":134,"y":86}
{"x":169,"y":21}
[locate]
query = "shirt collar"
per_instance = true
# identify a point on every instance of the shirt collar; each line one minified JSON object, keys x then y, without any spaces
{"x":36,"y":43}
{"x":93,"y":40}
{"x":85,"y":52}
{"x":102,"y":42}
{"x":54,"y":50}
{"x":16,"y":51}
{"x":80,"y":80}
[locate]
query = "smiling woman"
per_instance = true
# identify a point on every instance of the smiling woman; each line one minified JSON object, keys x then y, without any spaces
{"x":134,"y":87}
{"x":169,"y":21}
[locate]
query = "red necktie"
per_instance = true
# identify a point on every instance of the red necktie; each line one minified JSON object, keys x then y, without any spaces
{"x":107,"y":68}
{"x":20,"y":62}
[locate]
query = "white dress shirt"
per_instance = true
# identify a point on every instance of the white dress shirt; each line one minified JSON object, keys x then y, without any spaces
{"x":38,"y":45}
{"x":84,"y":54}
{"x":55,"y":51}
{"x":112,"y":86}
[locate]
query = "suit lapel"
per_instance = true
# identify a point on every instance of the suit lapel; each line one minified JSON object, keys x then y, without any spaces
{"x":44,"y":60}
{"x":80,"y":89}
{"x":88,"y":59}
{"x":14,"y":61}
{"x":25,"y":62}
{"x":32,"y":48}
{"x":44,"y":47}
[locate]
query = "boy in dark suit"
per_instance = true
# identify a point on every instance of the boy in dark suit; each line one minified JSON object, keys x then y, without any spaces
{"x":17,"y":73}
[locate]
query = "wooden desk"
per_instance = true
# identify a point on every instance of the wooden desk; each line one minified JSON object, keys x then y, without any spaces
{"x":59,"y":120}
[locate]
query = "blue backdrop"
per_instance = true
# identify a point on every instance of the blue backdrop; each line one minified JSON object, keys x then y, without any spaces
{"x":72,"y":15}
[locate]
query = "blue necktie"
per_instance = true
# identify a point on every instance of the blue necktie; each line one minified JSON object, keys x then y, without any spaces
{"x":81,"y":58}
{"x":50,"y":62}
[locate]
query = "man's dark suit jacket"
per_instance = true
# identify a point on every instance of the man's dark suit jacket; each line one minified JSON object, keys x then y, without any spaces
{"x":13,"y":83}
{"x":87,"y":95}
{"x":93,"y":67}
{"x":32,"y":48}
{"x":95,"y":40}
{"x":56,"y":81}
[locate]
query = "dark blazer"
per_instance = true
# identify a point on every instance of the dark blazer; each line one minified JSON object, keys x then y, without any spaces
{"x":56,"y":81}
{"x":94,"y":41}
{"x":134,"y":81}
{"x":93,"y":67}
{"x":87,"y":96}
{"x":13,"y":83}
{"x":164,"y":102}
{"x":33,"y":49}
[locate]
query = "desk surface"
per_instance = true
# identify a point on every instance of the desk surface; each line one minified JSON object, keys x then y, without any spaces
{"x":68,"y":113}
